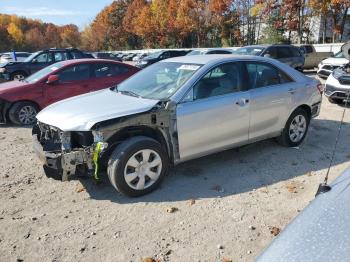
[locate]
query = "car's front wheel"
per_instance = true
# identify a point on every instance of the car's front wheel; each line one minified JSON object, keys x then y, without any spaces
{"x":18,"y":76}
{"x":295,"y":129}
{"x":23,"y":113}
{"x":137,"y":166}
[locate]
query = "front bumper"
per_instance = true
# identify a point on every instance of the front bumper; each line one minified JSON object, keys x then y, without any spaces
{"x":5,"y":76}
{"x":64,"y":162}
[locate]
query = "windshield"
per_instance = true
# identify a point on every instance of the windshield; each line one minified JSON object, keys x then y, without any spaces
{"x":249,"y":51}
{"x":339,"y":55}
{"x":159,"y":81}
{"x":155,"y":55}
{"x":43,"y":72}
{"x":29,"y":58}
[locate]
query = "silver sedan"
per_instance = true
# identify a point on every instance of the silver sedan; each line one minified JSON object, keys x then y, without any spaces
{"x":175,"y":110}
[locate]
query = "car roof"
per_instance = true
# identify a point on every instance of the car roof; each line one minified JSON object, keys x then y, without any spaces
{"x":205,"y":59}
{"x":90,"y":60}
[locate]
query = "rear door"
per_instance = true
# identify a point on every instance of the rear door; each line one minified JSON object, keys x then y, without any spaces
{"x":271,"y":93}
{"x":73,"y":80}
{"x":108,"y":74}
{"x":215,"y":113}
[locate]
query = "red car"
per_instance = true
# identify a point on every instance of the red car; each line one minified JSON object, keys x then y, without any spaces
{"x":20,"y":101}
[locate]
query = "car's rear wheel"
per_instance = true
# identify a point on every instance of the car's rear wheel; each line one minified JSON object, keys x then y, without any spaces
{"x":295,"y":129}
{"x":18,"y":76}
{"x":23,"y":113}
{"x":137,"y":166}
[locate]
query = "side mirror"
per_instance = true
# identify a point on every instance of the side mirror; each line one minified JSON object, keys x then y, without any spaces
{"x":52,"y":79}
{"x":267,"y":55}
{"x":34,"y":60}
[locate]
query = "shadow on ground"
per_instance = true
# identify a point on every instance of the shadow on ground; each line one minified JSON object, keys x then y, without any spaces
{"x":242,"y":169}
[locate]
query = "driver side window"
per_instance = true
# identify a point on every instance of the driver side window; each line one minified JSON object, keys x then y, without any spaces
{"x":221,"y":80}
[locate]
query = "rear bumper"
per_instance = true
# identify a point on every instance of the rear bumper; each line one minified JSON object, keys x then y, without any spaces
{"x":315,"y":109}
{"x":336,"y":93}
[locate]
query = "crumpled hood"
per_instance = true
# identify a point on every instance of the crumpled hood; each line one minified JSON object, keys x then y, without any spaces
{"x":80,"y":113}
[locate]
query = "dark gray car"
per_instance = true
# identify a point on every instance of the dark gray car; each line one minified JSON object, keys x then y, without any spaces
{"x":287,"y":54}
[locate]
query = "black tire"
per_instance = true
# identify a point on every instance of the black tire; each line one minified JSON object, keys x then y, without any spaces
{"x":285,"y":138}
{"x":17,"y":110}
{"x":19,"y":75}
{"x":335,"y":100}
{"x":120,"y":157}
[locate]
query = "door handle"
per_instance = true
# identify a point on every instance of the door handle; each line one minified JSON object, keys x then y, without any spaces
{"x":242,"y":102}
{"x":291,"y":90}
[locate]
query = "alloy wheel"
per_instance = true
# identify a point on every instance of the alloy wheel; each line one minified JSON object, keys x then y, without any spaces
{"x":297,"y":128}
{"x":26,"y":115}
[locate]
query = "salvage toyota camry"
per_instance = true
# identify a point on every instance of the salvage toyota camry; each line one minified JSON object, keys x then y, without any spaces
{"x":175,"y":110}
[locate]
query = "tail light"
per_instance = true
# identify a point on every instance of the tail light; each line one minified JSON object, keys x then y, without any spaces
{"x":320,"y":88}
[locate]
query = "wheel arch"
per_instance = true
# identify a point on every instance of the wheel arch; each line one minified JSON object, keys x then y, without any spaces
{"x":19,"y":71}
{"x":11,"y":104}
{"x":132,"y":131}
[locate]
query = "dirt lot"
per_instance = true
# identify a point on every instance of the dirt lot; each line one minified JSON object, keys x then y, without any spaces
{"x":226,"y":203}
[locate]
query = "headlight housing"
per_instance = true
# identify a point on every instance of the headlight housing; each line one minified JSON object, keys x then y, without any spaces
{"x":2,"y":70}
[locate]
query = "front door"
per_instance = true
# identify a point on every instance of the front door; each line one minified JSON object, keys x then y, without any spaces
{"x":215,"y":114}
{"x":73,"y":80}
{"x":40,"y":61}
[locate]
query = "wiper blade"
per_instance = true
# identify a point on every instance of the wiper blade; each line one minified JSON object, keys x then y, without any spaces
{"x":129,"y":93}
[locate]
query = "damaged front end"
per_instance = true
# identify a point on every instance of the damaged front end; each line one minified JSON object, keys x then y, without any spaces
{"x":87,"y":152}
{"x":67,"y":153}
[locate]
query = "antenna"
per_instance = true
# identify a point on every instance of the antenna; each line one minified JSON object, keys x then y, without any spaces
{"x":324,"y":187}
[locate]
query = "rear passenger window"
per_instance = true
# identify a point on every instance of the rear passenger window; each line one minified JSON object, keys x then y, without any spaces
{"x":295,"y":51}
{"x":262,"y":74}
{"x":75,"y":73}
{"x":61,"y":56}
{"x":283,"y":52}
{"x":76,"y":55}
{"x":221,"y":80}
{"x":108,"y":70}
{"x":272,"y":52}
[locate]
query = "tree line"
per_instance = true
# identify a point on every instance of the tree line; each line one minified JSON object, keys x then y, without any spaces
{"x":22,"y":34}
{"x":137,"y":24}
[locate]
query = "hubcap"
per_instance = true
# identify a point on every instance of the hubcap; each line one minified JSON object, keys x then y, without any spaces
{"x":297,"y":128}
{"x":143,"y":169}
{"x":27,"y":115}
{"x":18,"y":77}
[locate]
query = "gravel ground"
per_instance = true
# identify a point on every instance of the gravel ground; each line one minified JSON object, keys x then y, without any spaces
{"x":219,"y":207}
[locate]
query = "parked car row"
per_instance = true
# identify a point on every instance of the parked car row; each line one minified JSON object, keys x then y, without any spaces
{"x":37,"y":61}
{"x":13,"y":57}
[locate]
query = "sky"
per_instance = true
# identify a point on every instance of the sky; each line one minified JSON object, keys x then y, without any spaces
{"x":60,"y":12}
